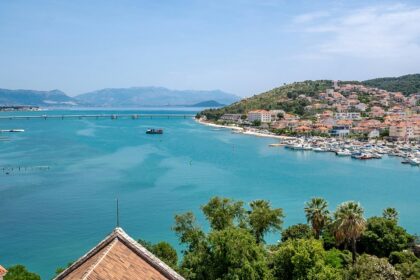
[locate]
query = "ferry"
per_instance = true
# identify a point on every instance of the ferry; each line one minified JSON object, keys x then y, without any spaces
{"x":154,"y":131}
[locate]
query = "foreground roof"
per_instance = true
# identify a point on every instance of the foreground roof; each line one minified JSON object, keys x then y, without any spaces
{"x":119,"y":256}
{"x":3,"y":271}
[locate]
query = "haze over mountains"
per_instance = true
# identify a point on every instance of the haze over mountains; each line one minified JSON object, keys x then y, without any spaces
{"x":160,"y":96}
{"x":119,"y":97}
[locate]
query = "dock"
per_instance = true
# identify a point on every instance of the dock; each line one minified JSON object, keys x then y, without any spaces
{"x":98,"y":116}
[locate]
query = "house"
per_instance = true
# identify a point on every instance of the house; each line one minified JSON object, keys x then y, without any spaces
{"x":119,"y":256}
{"x":276,"y":113}
{"x":361,"y":107}
{"x":373,"y":133}
{"x":259,"y":115}
{"x":347,"y":116}
{"x":231,"y":117}
{"x":377,"y":112}
{"x":405,"y":130}
{"x":3,"y":272}
{"x":340,"y":131}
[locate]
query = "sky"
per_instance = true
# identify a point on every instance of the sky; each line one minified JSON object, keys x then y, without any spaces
{"x":240,"y":46}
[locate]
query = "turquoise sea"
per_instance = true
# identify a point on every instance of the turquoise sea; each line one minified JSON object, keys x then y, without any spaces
{"x":49,"y":217}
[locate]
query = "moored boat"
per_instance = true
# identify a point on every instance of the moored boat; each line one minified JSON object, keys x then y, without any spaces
{"x":154,"y":131}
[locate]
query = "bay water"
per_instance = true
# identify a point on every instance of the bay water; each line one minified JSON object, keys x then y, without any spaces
{"x":59,"y":181}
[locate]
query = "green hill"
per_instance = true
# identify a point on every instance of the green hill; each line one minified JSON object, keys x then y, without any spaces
{"x":407,"y":84}
{"x":283,"y":98}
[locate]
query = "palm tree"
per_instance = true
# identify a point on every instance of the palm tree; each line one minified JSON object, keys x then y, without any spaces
{"x":349,"y":224}
{"x":263,"y":218}
{"x":317,"y":214}
{"x":390,"y":214}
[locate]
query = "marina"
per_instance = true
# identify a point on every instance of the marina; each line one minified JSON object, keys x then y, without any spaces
{"x":410,"y":152}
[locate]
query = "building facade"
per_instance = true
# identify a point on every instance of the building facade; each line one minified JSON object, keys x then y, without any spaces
{"x":259,"y":115}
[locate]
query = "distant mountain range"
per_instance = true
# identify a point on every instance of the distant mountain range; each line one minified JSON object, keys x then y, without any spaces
{"x":119,"y":97}
{"x":153,"y":96}
{"x":35,"y":98}
{"x":159,"y":96}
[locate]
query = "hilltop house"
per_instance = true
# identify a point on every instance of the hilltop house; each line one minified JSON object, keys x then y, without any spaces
{"x":3,"y":272}
{"x":119,"y":256}
{"x":347,"y":116}
{"x":259,"y":115}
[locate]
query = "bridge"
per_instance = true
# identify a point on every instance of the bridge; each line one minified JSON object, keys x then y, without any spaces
{"x":98,"y":116}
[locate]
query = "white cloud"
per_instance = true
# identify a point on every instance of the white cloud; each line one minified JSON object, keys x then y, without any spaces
{"x":373,"y":32}
{"x":309,"y":17}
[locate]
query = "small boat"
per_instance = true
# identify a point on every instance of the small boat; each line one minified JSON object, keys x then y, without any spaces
{"x":307,"y":147}
{"x":154,"y":131}
{"x":319,"y":149}
{"x":276,"y":145}
{"x":366,"y":156}
{"x":343,"y":153}
{"x":297,"y":147}
{"x":12,"y":130}
{"x":413,"y":161}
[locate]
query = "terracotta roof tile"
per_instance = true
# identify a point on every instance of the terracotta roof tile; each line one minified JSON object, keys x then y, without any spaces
{"x":3,"y":271}
{"x":119,"y":257}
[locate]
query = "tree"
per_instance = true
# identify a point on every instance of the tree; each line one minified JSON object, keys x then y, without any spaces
{"x":372,"y":268}
{"x":165,"y":252}
{"x":297,"y":232}
{"x":19,"y":272}
{"x":262,"y":219}
{"x":256,"y":123}
{"x":337,"y":258}
{"x":390,"y":214}
{"x":187,"y":230}
{"x":383,"y":236}
{"x":231,"y":253}
{"x":402,"y":257}
{"x":302,"y":259}
{"x":317,"y":214}
{"x":409,"y":270}
{"x":222,"y":212}
{"x":349,"y":224}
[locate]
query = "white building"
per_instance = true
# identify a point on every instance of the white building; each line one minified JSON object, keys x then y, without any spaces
{"x":231,"y":117}
{"x":347,"y":116}
{"x":330,"y":92}
{"x":259,"y":115}
{"x":374,"y":133}
{"x":361,"y":106}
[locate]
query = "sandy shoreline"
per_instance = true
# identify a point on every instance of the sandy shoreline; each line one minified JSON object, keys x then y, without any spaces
{"x":241,"y":130}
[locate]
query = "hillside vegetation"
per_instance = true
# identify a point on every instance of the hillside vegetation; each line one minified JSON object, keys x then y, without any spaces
{"x":281,"y":98}
{"x":407,"y":84}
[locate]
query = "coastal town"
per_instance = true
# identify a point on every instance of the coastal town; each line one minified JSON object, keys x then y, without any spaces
{"x":348,"y":119}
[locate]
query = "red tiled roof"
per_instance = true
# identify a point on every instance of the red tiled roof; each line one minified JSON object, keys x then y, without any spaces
{"x":3,"y":271}
{"x":119,"y":256}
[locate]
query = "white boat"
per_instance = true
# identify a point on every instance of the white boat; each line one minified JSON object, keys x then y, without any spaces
{"x":343,"y":153}
{"x":319,"y":149}
{"x":307,"y":147}
{"x":413,"y":161}
{"x":297,"y":147}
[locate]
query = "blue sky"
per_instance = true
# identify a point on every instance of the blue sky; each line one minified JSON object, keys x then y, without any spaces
{"x":240,"y":46}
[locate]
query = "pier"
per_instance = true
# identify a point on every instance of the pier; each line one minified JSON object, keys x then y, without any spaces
{"x":98,"y":116}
